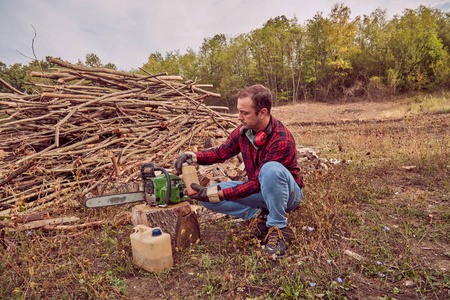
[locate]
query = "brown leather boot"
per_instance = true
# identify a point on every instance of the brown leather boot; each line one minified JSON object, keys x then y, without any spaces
{"x":257,"y":226}
{"x":277,"y":241}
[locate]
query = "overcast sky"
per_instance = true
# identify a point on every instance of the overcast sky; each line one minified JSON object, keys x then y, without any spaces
{"x":126,"y":32}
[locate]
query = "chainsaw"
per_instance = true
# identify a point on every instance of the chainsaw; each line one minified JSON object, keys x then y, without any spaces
{"x":160,"y":190}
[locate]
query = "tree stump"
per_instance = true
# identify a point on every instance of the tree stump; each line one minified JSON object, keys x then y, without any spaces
{"x":177,"y":220}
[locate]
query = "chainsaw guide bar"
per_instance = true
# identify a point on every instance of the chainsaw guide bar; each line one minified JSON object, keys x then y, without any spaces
{"x":112,"y":200}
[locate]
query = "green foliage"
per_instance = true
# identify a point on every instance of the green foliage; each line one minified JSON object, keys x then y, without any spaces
{"x":330,"y":48}
{"x":93,"y":61}
{"x":14,"y":75}
{"x":418,"y":53}
{"x":18,"y":75}
{"x":325,"y":58}
{"x":373,"y":58}
{"x":213,"y":60}
{"x":273,"y":49}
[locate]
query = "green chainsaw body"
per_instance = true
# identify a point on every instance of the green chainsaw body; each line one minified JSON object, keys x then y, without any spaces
{"x":160,"y":189}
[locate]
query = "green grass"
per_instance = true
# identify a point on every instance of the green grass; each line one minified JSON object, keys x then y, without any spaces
{"x":424,"y":103}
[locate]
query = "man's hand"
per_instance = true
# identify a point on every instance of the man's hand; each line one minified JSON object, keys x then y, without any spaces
{"x":188,"y":157}
{"x":206,"y":194}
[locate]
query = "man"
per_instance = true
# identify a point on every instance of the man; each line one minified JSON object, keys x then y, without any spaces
{"x":274,"y":186}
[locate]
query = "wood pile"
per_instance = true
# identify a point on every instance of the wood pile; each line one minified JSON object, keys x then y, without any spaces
{"x":93,"y":126}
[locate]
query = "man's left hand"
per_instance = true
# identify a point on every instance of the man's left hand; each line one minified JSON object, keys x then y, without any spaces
{"x":206,"y":194}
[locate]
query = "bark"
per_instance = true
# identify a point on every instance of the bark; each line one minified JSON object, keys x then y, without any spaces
{"x":178,"y":220}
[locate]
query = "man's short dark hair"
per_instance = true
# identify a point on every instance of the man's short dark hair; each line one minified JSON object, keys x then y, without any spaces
{"x":260,"y":95}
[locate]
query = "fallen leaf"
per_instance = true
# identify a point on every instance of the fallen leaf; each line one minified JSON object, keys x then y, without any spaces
{"x":408,"y":168}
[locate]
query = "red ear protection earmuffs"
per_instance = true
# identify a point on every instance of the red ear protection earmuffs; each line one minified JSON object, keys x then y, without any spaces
{"x":261,"y":137}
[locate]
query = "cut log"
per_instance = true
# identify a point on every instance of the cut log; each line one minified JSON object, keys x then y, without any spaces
{"x":74,"y":227}
{"x":6,"y":224}
{"x":42,"y":223}
{"x":177,"y":220}
{"x":113,"y":188}
{"x":26,"y":218}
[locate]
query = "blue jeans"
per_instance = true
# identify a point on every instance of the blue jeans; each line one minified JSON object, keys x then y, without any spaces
{"x":279,"y":194}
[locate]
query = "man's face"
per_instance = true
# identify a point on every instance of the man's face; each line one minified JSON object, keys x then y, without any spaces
{"x":247,"y":115}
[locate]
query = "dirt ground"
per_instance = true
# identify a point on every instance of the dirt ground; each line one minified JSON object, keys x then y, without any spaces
{"x":339,"y":114}
{"x":342,"y":114}
{"x":325,"y":112}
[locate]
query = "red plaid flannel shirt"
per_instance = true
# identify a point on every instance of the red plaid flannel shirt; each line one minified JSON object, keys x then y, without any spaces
{"x":279,"y":147}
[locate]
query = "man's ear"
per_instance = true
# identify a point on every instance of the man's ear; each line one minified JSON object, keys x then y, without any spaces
{"x":263,"y":113}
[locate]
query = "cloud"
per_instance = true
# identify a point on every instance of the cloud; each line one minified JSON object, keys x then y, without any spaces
{"x":443,"y":5}
{"x":127,"y":32}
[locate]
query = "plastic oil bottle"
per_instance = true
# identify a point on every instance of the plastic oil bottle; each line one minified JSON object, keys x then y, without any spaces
{"x":189,"y":176}
{"x":152,"y":249}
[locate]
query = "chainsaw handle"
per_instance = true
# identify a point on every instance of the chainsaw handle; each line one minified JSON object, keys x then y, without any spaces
{"x":147,"y":175}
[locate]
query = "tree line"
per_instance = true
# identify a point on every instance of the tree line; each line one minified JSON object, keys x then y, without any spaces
{"x":327,"y":57}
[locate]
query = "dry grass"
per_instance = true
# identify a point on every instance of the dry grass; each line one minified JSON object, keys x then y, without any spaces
{"x":396,"y":219}
{"x":423,"y":103}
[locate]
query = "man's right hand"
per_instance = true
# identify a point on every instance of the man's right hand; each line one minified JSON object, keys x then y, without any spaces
{"x":188,"y":157}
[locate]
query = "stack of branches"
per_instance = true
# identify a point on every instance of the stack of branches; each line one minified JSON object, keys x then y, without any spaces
{"x":90,"y":126}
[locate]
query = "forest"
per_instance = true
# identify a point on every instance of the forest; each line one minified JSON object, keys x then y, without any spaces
{"x":327,"y":58}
